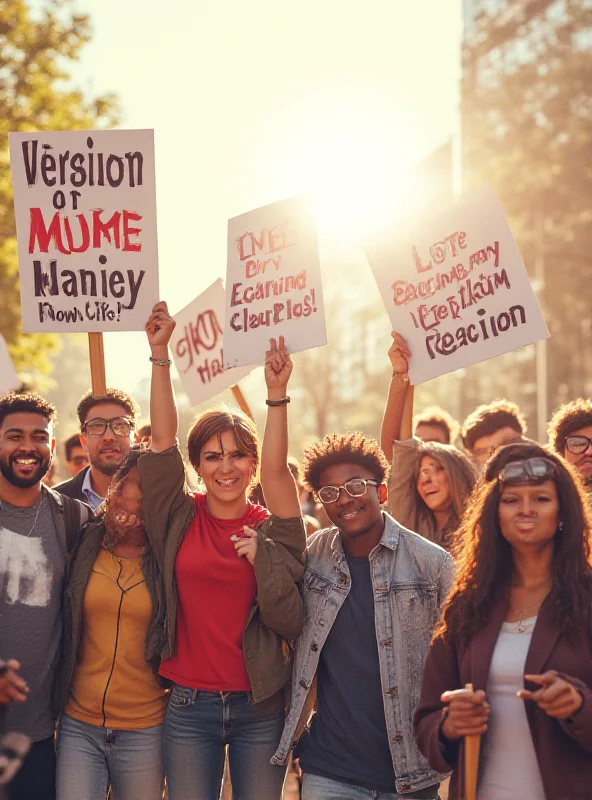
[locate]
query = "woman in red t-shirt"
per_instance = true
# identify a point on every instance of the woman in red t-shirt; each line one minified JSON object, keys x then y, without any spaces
{"x":231,"y":572}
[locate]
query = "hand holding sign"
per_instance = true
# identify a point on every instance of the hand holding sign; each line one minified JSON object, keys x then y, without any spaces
{"x":399,"y":354}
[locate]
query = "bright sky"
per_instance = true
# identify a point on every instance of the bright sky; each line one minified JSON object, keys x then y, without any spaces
{"x":256,"y":100}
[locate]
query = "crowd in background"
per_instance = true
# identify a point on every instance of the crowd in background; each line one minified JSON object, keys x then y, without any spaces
{"x":327,"y":616}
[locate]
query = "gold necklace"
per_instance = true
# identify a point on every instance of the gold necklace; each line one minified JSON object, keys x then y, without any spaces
{"x":519,"y":613}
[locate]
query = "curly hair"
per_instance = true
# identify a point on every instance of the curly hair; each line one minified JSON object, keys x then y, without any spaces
{"x":337,"y":448}
{"x":489,"y":418}
{"x":29,"y":403}
{"x":214,"y":423}
{"x":567,"y":419}
{"x":484,"y":557}
{"x":89,"y":401}
{"x":439,"y":418}
{"x":111,"y":536}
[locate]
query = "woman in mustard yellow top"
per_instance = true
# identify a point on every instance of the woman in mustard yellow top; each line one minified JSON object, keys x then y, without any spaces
{"x":111,"y":729}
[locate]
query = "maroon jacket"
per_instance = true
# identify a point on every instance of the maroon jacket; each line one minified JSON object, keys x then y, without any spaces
{"x":564,"y":749}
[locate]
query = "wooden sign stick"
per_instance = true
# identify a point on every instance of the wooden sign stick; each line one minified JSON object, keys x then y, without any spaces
{"x":97,"y":364}
{"x":472,"y":744}
{"x":240,"y":399}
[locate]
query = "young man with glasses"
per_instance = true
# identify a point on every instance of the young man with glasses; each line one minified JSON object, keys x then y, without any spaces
{"x":570,"y":435}
{"x":107,"y":427}
{"x":372,"y":594}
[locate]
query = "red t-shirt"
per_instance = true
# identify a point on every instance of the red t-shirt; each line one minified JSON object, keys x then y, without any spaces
{"x":216,"y":590}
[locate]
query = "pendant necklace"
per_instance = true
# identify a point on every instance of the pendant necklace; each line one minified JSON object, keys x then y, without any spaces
{"x":39,"y":504}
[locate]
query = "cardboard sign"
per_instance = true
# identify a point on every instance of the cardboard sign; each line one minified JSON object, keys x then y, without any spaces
{"x":9,"y":380}
{"x":196,"y":345}
{"x":273,"y":282}
{"x":456,"y":287}
{"x":85,"y":205}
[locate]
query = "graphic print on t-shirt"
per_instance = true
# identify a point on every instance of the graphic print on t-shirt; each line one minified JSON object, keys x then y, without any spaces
{"x":25,"y":575}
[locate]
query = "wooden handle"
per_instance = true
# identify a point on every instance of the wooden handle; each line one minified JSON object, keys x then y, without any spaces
{"x":97,"y":364}
{"x":240,"y":399}
{"x":472,"y":745}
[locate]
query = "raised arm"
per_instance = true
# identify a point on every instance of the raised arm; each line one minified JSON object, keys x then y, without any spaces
{"x":163,"y":411}
{"x":398,"y":413}
{"x":279,"y":487}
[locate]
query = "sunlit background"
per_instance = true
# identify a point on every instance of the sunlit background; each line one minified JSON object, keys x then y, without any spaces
{"x":372,"y":108}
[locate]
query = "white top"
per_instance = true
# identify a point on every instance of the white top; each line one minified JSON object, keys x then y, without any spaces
{"x":510,"y":767}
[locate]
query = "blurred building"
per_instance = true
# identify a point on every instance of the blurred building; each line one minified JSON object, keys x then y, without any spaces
{"x":520,"y":49}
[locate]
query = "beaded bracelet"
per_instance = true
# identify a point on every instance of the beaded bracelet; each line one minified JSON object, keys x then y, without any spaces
{"x":161,"y":362}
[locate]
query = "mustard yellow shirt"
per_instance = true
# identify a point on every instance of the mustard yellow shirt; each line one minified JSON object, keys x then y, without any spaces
{"x":113,"y":686}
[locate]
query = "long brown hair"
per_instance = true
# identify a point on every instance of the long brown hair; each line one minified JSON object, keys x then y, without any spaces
{"x":461,"y":479}
{"x":484,"y":557}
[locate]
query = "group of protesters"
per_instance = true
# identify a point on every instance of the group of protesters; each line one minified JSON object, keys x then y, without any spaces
{"x":150,"y":631}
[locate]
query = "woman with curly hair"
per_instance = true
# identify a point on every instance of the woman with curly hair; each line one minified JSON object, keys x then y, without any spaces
{"x":518,"y":627}
{"x":430,"y":482}
{"x":111,"y":729}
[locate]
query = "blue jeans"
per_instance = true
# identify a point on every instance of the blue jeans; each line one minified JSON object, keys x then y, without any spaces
{"x":197,"y":728}
{"x":314,"y":787}
{"x":91,"y":758}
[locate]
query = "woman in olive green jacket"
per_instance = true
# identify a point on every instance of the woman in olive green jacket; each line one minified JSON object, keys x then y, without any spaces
{"x":231,"y":572}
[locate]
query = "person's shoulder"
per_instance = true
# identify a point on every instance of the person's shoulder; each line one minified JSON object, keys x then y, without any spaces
{"x":321,"y":542}
{"x":422,"y":550}
{"x":73,"y":486}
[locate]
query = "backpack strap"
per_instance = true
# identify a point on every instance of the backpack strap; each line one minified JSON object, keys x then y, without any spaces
{"x":76,"y":514}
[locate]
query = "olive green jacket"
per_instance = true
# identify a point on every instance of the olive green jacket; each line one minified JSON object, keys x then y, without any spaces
{"x":277,"y":614}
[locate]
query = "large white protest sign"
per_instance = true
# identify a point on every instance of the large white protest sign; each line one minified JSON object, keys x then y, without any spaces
{"x":196,"y":345}
{"x":9,"y":380}
{"x":273,"y":282}
{"x":456,"y":287}
{"x":85,"y":205}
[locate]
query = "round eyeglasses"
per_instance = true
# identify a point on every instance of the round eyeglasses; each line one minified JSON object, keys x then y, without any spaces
{"x":578,"y":443}
{"x":120,"y":427}
{"x":355,"y":487}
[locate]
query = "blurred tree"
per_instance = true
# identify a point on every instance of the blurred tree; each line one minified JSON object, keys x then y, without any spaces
{"x":527,"y":129}
{"x":36,"y":51}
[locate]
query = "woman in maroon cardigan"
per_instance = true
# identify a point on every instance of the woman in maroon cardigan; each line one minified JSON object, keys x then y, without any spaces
{"x":518,"y":627}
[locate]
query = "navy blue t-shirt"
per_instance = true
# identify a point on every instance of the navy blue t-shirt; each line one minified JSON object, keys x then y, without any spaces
{"x":348,"y":740}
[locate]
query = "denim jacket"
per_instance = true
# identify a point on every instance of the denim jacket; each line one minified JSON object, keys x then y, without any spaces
{"x":411,"y":579}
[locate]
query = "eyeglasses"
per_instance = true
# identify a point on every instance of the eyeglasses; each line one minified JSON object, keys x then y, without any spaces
{"x":531,"y":470}
{"x":120,"y":427}
{"x":356,"y":487}
{"x":577,"y":444}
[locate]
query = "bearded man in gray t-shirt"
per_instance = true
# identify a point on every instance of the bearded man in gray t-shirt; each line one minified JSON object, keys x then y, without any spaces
{"x":33,"y":549}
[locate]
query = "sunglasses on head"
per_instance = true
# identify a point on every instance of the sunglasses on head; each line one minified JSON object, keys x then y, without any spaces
{"x":529,"y":470}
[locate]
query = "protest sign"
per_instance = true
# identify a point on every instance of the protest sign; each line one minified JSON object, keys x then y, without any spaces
{"x":196,"y":345}
{"x":456,"y":287}
{"x":85,"y":206}
{"x":273,"y":282}
{"x":9,"y":380}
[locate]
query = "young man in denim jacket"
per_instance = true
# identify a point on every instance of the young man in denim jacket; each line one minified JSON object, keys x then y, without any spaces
{"x":372,"y":594}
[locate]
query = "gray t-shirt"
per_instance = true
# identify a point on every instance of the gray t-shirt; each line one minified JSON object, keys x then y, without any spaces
{"x":31,"y":582}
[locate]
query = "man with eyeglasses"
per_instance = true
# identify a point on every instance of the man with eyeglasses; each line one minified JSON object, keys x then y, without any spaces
{"x":372,"y":594}
{"x":107,"y":427}
{"x":570,"y":435}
